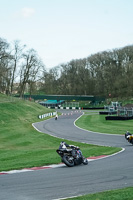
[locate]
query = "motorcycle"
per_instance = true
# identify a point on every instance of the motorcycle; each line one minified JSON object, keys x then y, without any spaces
{"x":129,"y":137}
{"x":71,"y":155}
{"x":56,"y":117}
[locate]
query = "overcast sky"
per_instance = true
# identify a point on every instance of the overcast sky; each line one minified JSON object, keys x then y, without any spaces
{"x":62,"y":30}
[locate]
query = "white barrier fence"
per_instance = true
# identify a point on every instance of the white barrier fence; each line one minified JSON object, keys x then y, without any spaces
{"x":67,"y":108}
{"x":47,"y":115}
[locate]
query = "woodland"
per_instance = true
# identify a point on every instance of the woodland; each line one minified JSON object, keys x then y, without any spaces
{"x":105,"y":73}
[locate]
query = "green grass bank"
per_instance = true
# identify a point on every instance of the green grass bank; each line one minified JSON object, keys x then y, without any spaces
{"x":98,"y":123}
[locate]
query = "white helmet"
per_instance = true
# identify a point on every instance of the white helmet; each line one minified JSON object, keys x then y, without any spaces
{"x":63,"y":145}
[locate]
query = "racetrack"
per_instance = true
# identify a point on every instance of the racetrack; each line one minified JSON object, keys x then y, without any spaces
{"x":100,"y":175}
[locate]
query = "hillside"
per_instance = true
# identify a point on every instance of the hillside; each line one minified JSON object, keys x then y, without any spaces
{"x":15,"y":109}
{"x":19,"y":142}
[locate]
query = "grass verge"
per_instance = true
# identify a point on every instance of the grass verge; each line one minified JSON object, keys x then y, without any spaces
{"x":98,"y":123}
{"x":121,"y":194}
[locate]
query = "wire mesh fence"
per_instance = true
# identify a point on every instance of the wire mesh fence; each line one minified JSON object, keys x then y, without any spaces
{"x":125,"y":112}
{"x":71,"y":104}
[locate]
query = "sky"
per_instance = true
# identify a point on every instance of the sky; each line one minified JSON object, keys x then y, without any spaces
{"x":62,"y":30}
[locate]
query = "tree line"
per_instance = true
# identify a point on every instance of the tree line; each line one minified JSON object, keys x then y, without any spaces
{"x":103,"y":73}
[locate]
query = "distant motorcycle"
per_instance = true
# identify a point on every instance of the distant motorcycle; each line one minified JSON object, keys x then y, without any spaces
{"x":56,"y":117}
{"x":129,"y":137}
{"x":71,"y":155}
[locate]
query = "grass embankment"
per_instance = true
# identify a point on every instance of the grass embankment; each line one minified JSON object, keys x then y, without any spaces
{"x":98,"y":123}
{"x":121,"y":194}
{"x":22,"y":146}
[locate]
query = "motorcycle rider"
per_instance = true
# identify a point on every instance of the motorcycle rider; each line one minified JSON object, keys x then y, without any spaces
{"x":56,"y":117}
{"x":71,"y":155}
{"x":75,"y":149}
{"x":129,"y":137}
{"x":63,"y":145}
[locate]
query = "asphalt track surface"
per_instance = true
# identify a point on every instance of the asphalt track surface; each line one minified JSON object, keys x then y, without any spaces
{"x":100,"y":175}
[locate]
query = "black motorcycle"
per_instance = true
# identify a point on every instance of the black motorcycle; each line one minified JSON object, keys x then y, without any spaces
{"x":71,"y":156}
{"x":129,"y":137}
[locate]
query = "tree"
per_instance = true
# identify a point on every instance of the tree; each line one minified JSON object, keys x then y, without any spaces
{"x":17,"y":52}
{"x":5,"y":59}
{"x":29,"y":70}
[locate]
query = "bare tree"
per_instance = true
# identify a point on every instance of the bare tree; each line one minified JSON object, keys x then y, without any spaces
{"x":29,"y":72}
{"x":16,"y":57}
{"x":4,"y":66}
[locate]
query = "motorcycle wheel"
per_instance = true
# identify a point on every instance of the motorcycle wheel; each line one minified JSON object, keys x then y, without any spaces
{"x":131,"y":141}
{"x":85,"y":161}
{"x":68,"y":161}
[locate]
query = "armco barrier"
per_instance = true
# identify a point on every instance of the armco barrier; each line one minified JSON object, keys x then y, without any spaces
{"x":47,"y":115}
{"x":67,"y":108}
{"x":70,"y":108}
